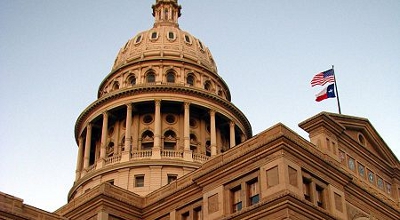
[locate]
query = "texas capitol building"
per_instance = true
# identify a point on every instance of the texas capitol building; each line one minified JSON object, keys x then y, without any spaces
{"x":164,"y":141}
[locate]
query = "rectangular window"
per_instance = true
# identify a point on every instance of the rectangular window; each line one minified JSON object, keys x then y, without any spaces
{"x":307,"y":188}
{"x":253,"y":191}
{"x":320,"y":196}
{"x":185,"y":216}
{"x":171,"y":177}
{"x":236,"y":199}
{"x":139,"y":181}
{"x":314,"y":190}
{"x":197,"y":214}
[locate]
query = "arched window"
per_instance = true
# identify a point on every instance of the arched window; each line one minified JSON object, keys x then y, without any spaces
{"x":110,"y":149}
{"x":132,"y":80}
{"x":115,"y":86}
{"x":207,"y":85}
{"x":208,"y":148}
{"x":193,"y":143}
{"x":147,"y":140}
{"x":171,"y":77}
{"x":169,"y":140}
{"x":190,"y":80}
{"x":150,"y":77}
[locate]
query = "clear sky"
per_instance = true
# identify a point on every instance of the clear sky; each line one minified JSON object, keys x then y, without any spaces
{"x":54,"y":54}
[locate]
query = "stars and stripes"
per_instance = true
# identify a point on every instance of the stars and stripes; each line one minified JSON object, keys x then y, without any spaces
{"x":323,"y":77}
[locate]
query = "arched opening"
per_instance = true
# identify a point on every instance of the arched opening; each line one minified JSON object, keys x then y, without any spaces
{"x":110,"y":149}
{"x":171,"y":77}
{"x":147,"y":140}
{"x":194,"y":143}
{"x":207,"y":85}
{"x":132,"y":80}
{"x":150,"y":77}
{"x":190,"y":80}
{"x":169,"y":140}
{"x":208,"y":148}
{"x":115,"y":86}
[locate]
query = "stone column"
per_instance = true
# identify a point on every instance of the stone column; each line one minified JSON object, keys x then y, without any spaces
{"x":79,"y":159}
{"x":87,"y":147}
{"x":156,"y":154}
{"x":103,"y":143}
{"x":213,"y":133}
{"x":126,"y":155}
{"x":232,"y":137}
{"x":187,"y":153}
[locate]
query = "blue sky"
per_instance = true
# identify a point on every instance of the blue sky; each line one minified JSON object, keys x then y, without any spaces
{"x":54,"y":54}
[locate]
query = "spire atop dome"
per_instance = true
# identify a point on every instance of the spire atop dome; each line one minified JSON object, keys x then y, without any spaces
{"x":166,"y":12}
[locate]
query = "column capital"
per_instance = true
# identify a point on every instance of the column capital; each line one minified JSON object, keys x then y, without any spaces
{"x":129,"y":105}
{"x":186,"y":104}
{"x":157,"y":102}
{"x":212,"y":112}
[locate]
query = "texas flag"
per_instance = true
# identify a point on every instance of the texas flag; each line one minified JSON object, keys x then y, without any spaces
{"x":327,"y":92}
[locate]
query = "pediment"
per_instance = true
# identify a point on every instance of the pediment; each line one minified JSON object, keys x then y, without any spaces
{"x":364,"y":136}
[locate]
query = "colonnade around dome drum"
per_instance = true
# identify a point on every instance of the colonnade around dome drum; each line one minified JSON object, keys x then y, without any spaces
{"x":156,"y":130}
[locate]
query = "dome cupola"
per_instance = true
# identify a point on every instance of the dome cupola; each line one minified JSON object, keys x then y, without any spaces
{"x":166,"y":12}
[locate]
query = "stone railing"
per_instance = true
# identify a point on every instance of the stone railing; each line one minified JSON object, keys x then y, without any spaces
{"x":141,"y":154}
{"x":113,"y":159}
{"x":200,"y":157}
{"x":171,"y":154}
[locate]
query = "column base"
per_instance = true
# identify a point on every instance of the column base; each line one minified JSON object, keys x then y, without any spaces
{"x":125,"y":156}
{"x":156,"y":153}
{"x":187,"y":155}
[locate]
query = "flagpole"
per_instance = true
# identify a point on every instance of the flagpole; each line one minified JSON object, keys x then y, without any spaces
{"x":337,"y":92}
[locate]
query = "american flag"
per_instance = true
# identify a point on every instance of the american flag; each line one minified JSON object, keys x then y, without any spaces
{"x":323,"y":77}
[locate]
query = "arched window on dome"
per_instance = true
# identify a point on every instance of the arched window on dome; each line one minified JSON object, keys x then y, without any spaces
{"x":132,"y":80}
{"x":154,"y":35}
{"x":110,"y":149}
{"x":170,"y":77}
{"x":201,"y":46}
{"x":188,"y":40}
{"x":190,"y":79}
{"x":169,"y":140}
{"x":151,"y":77}
{"x":171,"y":36}
{"x":138,"y":39}
{"x":208,"y":148}
{"x":147,"y":140}
{"x":207,"y":85}
{"x":115,"y":86}
{"x":194,"y":143}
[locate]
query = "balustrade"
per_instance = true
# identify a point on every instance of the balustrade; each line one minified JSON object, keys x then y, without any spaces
{"x":141,"y":154}
{"x":171,"y":154}
{"x":113,"y":159}
{"x":200,"y":158}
